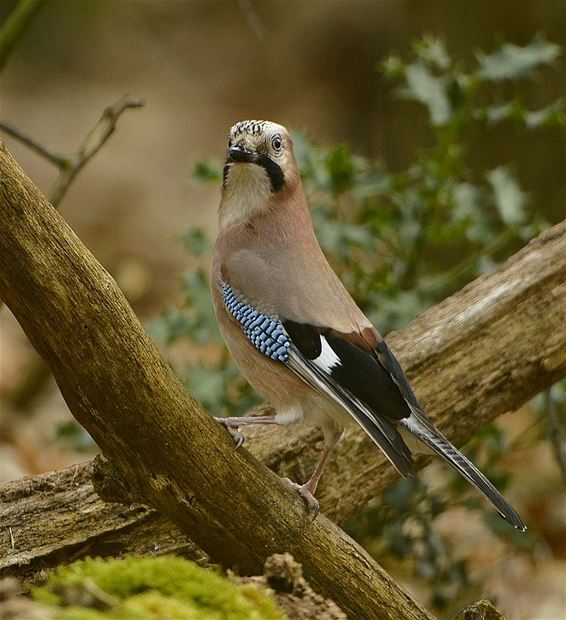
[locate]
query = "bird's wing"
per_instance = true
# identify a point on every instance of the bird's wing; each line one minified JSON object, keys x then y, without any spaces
{"x":338,"y":365}
{"x":293,"y":282}
{"x":381,"y":391}
{"x":358,"y":371}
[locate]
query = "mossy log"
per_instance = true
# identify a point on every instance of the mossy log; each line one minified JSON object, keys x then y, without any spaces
{"x":162,"y":444}
{"x":478,"y":354}
{"x":470,"y":361}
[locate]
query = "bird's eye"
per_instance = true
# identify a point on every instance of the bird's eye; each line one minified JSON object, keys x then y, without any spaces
{"x":277,"y":143}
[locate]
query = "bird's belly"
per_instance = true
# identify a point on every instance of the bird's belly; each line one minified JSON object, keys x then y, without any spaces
{"x":319,"y":410}
{"x":280,"y":386}
{"x":270,"y":378}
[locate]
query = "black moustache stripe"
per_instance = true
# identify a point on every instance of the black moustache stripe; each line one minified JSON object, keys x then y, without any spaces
{"x":274,"y":172}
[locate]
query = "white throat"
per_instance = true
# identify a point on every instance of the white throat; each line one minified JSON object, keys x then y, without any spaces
{"x":246,"y":194}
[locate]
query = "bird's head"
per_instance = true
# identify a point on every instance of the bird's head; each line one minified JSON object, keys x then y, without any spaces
{"x":260,"y":166}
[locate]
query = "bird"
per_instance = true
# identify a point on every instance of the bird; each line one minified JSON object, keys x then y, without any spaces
{"x":294,"y":331}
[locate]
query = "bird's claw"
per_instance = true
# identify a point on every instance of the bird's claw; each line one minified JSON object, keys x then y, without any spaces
{"x":307,"y":495}
{"x":232,"y":428}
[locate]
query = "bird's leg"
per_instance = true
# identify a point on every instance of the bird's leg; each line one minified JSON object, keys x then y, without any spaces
{"x":307,"y":490}
{"x":233,"y":424}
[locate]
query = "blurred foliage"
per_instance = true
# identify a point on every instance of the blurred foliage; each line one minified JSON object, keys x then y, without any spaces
{"x":400,"y":242}
{"x":74,"y":434}
{"x":398,"y":527}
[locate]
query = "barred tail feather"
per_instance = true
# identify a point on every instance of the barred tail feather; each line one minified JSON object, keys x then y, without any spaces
{"x":426,"y":433}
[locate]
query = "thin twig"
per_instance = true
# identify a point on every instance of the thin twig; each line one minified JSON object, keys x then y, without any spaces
{"x":58,"y":160}
{"x":103,"y":129}
{"x":252,"y":18}
{"x":15,"y":26}
{"x":69,"y":166}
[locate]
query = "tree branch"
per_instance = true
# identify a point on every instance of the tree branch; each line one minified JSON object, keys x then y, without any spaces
{"x":37,"y":374}
{"x":161,"y":442}
{"x":479,"y":364}
{"x":61,"y":161}
{"x":90,"y":146}
{"x":252,"y":18}
{"x":15,"y":26}
{"x":70,"y":165}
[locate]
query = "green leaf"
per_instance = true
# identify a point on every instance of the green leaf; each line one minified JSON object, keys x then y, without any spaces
{"x":423,"y":86}
{"x":499,"y":112}
{"x":207,"y":171}
{"x":340,"y":169}
{"x":206,"y":383}
{"x":432,"y":50}
{"x":303,"y":152}
{"x":392,"y":67}
{"x":196,"y":241}
{"x":373,"y":182}
{"x":466,"y":198}
{"x":552,"y":114}
{"x":509,"y":199}
{"x":510,"y":61}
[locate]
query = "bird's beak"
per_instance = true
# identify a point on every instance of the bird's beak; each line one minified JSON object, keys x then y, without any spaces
{"x":240,"y":155}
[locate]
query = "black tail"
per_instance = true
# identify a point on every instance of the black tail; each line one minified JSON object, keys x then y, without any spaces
{"x":429,"y":435}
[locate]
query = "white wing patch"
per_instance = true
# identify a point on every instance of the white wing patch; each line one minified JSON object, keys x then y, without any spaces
{"x":315,"y":374}
{"x":327,"y":360}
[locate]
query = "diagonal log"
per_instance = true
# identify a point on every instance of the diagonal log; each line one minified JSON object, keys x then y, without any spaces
{"x":478,"y":354}
{"x":162,"y":444}
{"x":483,"y":352}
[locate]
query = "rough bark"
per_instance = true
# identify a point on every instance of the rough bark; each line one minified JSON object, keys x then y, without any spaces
{"x":161,"y":442}
{"x":480,"y":353}
{"x":58,"y":517}
{"x":483,"y":352}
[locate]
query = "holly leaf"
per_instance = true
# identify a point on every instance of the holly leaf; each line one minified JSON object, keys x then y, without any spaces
{"x":510,"y":61}
{"x":509,"y":199}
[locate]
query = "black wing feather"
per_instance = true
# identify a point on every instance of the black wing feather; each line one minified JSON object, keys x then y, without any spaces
{"x":370,"y":383}
{"x":305,"y":337}
{"x":390,"y":363}
{"x":374,"y":376}
{"x":362,"y":374}
{"x":383,"y":432}
{"x":359,"y":383}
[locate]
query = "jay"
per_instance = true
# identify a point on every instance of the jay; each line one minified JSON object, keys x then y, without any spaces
{"x":294,"y":331}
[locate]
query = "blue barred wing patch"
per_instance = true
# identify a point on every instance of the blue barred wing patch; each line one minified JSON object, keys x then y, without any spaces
{"x":266,"y":333}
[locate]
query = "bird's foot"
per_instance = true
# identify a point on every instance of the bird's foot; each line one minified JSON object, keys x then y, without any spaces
{"x":231,"y":425}
{"x":307,"y":495}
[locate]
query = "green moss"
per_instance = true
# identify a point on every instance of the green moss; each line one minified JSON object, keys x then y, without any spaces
{"x":153,"y":588}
